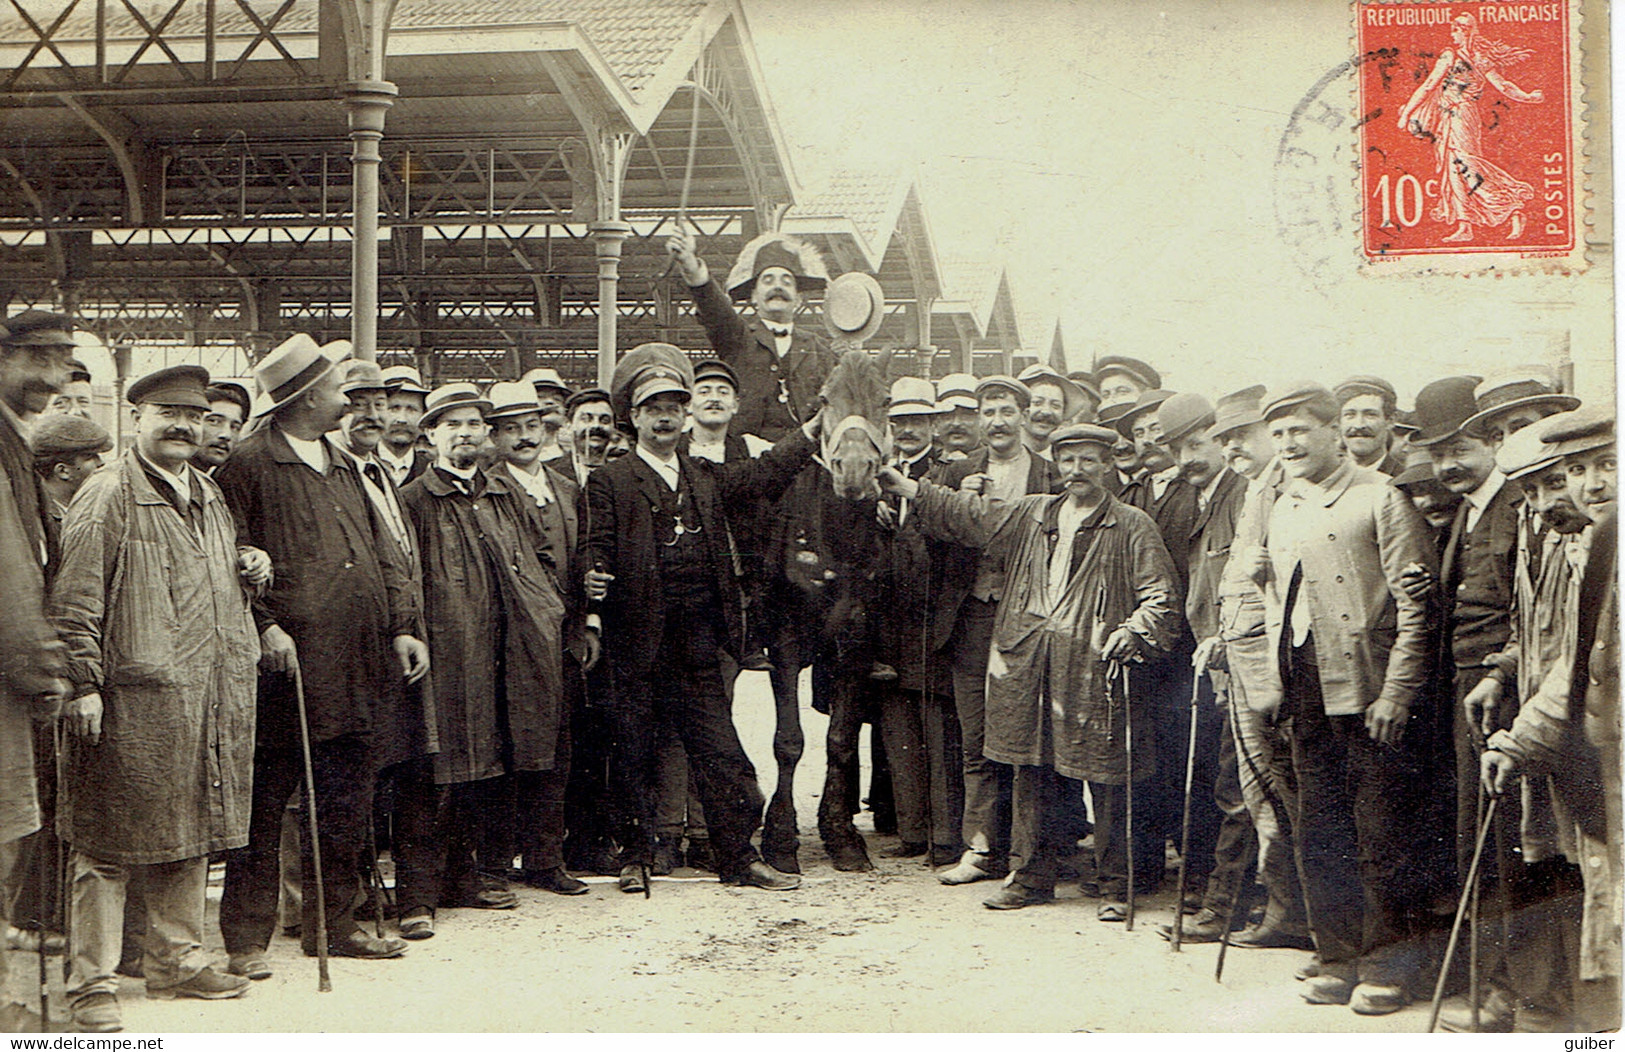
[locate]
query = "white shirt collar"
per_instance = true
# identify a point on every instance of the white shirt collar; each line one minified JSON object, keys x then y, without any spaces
{"x":391,"y":460}
{"x":536,"y":483}
{"x":310,"y":450}
{"x":665,"y":467}
{"x":1480,"y":498}
{"x":1211,"y":487}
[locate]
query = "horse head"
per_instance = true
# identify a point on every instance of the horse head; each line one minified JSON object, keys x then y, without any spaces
{"x":856,"y":433}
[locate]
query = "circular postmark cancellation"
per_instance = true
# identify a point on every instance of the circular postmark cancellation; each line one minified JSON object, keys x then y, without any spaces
{"x":1462,"y":123}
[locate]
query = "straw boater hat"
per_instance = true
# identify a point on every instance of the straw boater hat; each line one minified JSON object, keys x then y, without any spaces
{"x":1072,"y":395}
{"x":405,"y":378}
{"x":956,"y":391}
{"x":446,"y":397}
{"x":291,"y":369}
{"x":776,"y":250}
{"x":912,"y":396}
{"x":512,"y":398}
{"x":1527,"y":385}
{"x":854,"y":307}
{"x":546,"y":380}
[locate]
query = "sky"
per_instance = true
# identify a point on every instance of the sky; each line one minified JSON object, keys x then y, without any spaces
{"x":1120,"y":155}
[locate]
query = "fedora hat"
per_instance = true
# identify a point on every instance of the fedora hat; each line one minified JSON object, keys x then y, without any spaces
{"x":854,"y":306}
{"x":1442,"y":407}
{"x":1241,"y":408}
{"x":292,"y":368}
{"x":1148,"y":402}
{"x":1526,"y":385}
{"x":1072,"y":395}
{"x":446,"y":397}
{"x":1183,"y":414}
{"x":512,"y":398}
{"x":1418,"y":468}
{"x":404,"y":378}
{"x":358,"y":374}
{"x":912,"y":396}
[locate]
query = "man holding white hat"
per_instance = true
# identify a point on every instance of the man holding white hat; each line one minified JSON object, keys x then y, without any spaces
{"x":340,"y":613}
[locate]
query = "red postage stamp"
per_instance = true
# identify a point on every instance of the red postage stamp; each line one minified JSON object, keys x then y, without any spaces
{"x":1471,"y":155}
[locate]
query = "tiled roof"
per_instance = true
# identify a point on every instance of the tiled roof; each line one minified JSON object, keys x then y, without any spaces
{"x":971,"y":282}
{"x":868,"y":199}
{"x":634,"y":36}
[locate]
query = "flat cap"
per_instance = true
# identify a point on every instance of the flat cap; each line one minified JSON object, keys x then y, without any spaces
{"x":1005,"y":383}
{"x":585,"y":397}
{"x":174,"y":385}
{"x":1365,"y":385}
{"x":1137,"y":371}
{"x":1183,"y":414}
{"x":57,"y":435}
{"x":78,"y":372}
{"x":230,"y":391}
{"x":716,"y":369}
{"x":1524,"y":453}
{"x":1291,"y":396}
{"x":1070,"y":433}
{"x":37,"y":328}
{"x":1242,"y":408}
{"x":1578,"y":431}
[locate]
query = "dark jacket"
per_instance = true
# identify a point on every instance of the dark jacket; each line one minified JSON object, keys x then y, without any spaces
{"x":953,"y":566}
{"x":1175,"y":516}
{"x":340,"y":589}
{"x":1476,"y":576}
{"x":494,"y":615}
{"x":622,"y":539}
{"x":562,"y":543}
{"x":1211,"y":538}
{"x":749,"y":348}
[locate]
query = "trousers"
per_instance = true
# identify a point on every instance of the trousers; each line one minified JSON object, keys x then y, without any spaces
{"x":1270,"y":791}
{"x":174,"y":893}
{"x":986,"y":827}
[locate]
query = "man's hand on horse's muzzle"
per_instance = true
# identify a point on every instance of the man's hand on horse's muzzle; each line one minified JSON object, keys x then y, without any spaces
{"x":896,"y":483}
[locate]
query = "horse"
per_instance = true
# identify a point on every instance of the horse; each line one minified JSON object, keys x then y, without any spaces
{"x":826,"y":531}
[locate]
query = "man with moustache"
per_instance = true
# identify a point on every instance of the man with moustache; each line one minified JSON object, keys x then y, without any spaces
{"x":1366,"y":411}
{"x":656,"y":527}
{"x":405,"y":797}
{"x":398,"y":451}
{"x":495,"y":623}
{"x":222,"y":424}
{"x":34,"y":356}
{"x":1569,"y":729}
{"x":76,"y":397}
{"x":1476,"y":582}
{"x":1436,"y":504}
{"x":917,"y":721}
{"x":592,"y":424}
{"x":518,"y":431}
{"x":552,"y":394}
{"x":958,"y":428}
{"x":1087,"y":582}
{"x":781,"y":367}
{"x":340,"y":609}
{"x":1352,"y":649}
{"x":1268,"y":786}
{"x":1056,"y":400}
{"x":158,"y":757}
{"x":968,"y":583}
{"x":1222,"y":846}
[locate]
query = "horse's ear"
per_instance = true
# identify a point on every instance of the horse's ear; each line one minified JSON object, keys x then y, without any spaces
{"x":883,"y":361}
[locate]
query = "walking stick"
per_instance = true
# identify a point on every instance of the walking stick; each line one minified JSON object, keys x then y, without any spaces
{"x":377,"y":880}
{"x":1128,"y":796}
{"x":324,"y":984}
{"x":1229,"y":923}
{"x":1461,"y":912}
{"x":1185,"y":820}
{"x":1472,"y":935}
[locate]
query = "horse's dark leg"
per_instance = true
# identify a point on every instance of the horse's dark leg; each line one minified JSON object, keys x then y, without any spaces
{"x":780,"y":838}
{"x":835,"y":808}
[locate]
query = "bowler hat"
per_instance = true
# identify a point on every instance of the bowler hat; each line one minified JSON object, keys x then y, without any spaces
{"x":1183,"y":414}
{"x":446,"y":397}
{"x":1442,"y":407}
{"x":1515,"y":388}
{"x":175,"y":385}
{"x":512,"y":398}
{"x":292,"y":368}
{"x":60,"y":435}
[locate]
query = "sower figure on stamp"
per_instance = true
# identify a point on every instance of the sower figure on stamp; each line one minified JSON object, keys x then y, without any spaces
{"x":34,"y":350}
{"x":781,"y":368}
{"x":341,"y":611}
{"x":153,"y":600}
{"x":1088,"y":583}
{"x":656,"y":526}
{"x":1351,"y":652}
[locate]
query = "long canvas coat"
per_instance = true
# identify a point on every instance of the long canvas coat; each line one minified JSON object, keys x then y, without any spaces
{"x":156,"y":619}
{"x":1047,"y":701}
{"x":340,"y":590}
{"x":495,"y":620}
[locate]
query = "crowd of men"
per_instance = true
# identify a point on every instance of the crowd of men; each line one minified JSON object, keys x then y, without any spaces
{"x":1329,"y":651}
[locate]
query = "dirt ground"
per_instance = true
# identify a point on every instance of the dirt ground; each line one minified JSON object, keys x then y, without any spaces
{"x":889,"y":951}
